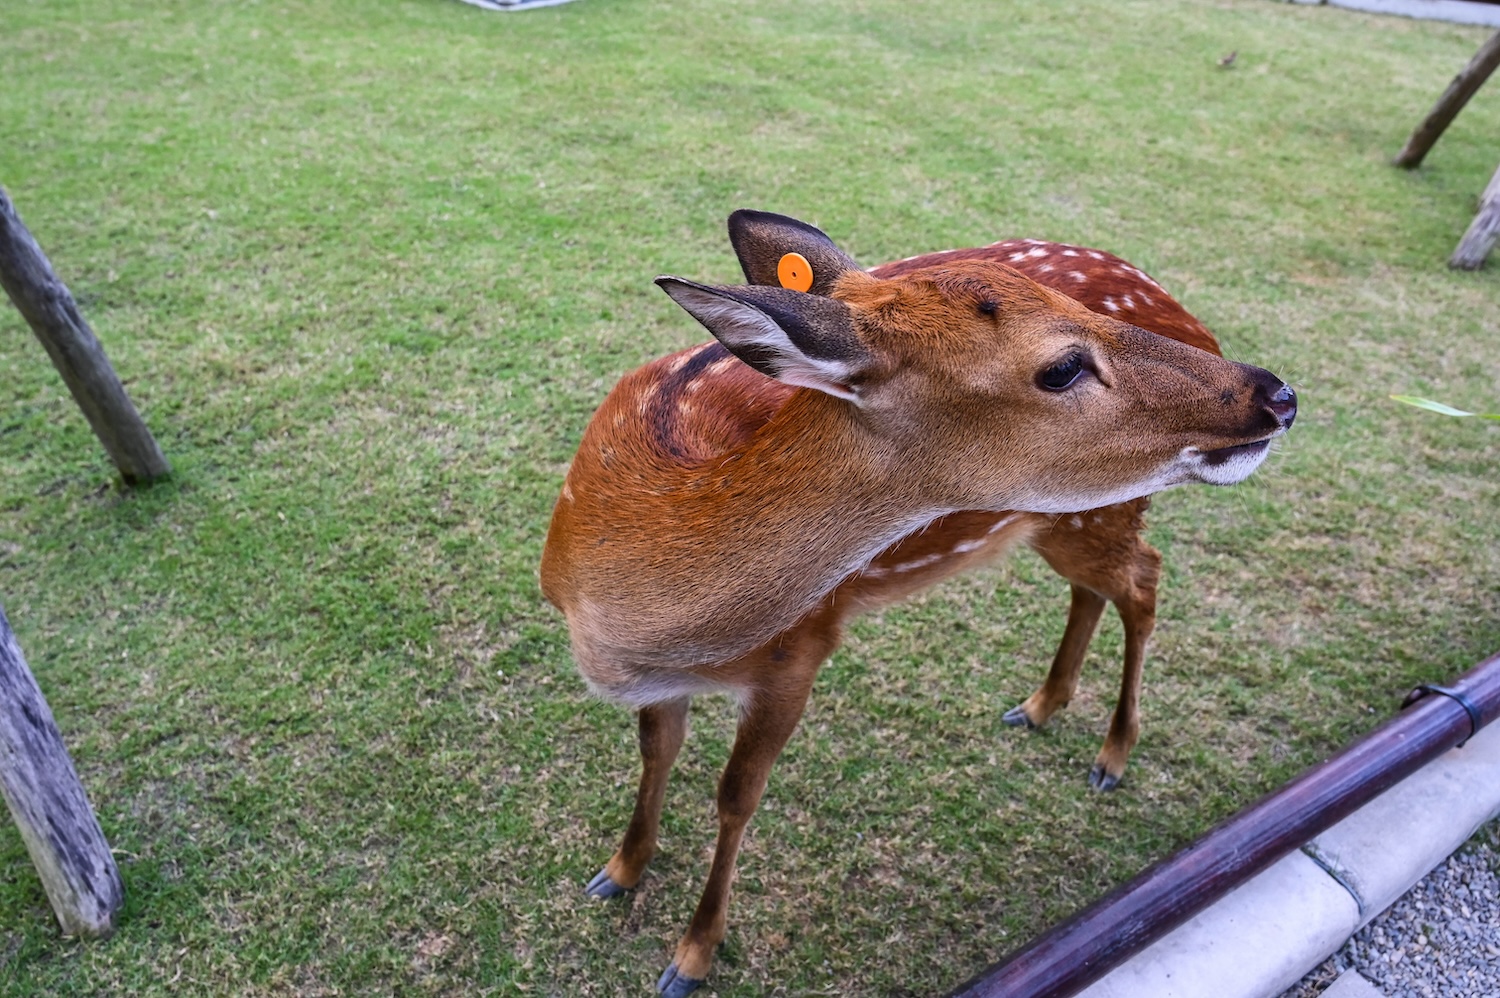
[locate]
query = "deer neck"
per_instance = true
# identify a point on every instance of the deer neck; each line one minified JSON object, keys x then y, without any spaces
{"x":721,"y":557}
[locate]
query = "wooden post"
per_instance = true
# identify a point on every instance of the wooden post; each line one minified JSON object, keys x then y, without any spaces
{"x":50,"y":807}
{"x":1483,"y":232}
{"x":1453,"y":100}
{"x":75,"y":351}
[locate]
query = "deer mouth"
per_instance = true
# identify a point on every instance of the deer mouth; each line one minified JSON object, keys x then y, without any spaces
{"x":1226,"y":465}
{"x":1215,"y":458}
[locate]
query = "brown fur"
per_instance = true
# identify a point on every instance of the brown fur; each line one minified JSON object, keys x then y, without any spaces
{"x":718,"y":528}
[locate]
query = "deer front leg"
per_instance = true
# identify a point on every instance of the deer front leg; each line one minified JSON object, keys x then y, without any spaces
{"x":662,"y":728}
{"x":1062,"y":679}
{"x":1104,"y":559}
{"x":767,"y":719}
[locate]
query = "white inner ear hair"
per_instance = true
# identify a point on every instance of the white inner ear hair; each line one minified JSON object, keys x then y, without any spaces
{"x":740,"y":327}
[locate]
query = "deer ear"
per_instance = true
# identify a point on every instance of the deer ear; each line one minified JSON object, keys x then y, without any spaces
{"x":796,"y":338}
{"x":762,"y":240}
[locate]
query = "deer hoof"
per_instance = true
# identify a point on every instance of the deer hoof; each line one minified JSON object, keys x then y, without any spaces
{"x":1101,"y":779}
{"x":603,"y":887}
{"x":675,"y":985}
{"x":1017,"y":717}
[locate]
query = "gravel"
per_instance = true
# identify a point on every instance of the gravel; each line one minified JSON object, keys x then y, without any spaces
{"x":1441,"y":940}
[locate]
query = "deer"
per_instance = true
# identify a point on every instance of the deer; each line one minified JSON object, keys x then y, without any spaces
{"x":847,"y":439}
{"x":1101,"y":552}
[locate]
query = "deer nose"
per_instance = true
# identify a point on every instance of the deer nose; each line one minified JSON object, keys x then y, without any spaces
{"x":1283,"y":405}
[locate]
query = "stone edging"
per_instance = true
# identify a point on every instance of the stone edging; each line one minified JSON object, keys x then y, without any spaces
{"x":1262,"y":937}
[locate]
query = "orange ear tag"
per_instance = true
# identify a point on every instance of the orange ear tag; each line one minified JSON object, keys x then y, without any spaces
{"x":794,"y":272}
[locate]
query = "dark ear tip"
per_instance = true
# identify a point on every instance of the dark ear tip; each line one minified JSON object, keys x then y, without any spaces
{"x":741,"y":220}
{"x":675,"y":286}
{"x":742,"y":217}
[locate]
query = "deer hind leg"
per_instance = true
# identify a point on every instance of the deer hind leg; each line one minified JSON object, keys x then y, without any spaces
{"x":769,"y":713}
{"x":1105,"y":560}
{"x":662,"y":728}
{"x":1137,"y":609}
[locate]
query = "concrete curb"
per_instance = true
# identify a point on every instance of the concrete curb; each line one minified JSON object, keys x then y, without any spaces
{"x":1261,"y":938}
{"x":1456,"y":11}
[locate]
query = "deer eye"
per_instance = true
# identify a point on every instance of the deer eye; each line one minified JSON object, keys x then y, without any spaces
{"x":1060,"y":376}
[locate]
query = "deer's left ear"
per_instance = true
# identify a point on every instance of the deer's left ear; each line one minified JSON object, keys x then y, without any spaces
{"x":764,"y":242}
{"x":796,"y":338}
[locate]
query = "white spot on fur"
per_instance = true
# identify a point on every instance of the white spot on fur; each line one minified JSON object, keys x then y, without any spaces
{"x":1045,"y":268}
{"x":967,"y":546}
{"x":1079,"y":275}
{"x":1040,"y":251}
{"x":1017,"y":257}
{"x":1095,"y":254}
{"x":1129,"y":301}
{"x":1140,"y":275}
{"x":720,"y":366}
{"x":1002,"y":523}
{"x":567,"y":492}
{"x":1076,"y":521}
{"x":922,"y":562}
{"x":1111,"y":304}
{"x":1070,"y":252}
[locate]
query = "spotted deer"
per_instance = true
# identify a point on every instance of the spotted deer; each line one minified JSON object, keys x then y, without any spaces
{"x":1100,"y":552}
{"x":848,"y":439}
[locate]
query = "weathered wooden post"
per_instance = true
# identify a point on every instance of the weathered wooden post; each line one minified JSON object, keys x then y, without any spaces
{"x":75,"y":351}
{"x":1469,"y":80}
{"x":42,"y":791}
{"x":1483,"y":232}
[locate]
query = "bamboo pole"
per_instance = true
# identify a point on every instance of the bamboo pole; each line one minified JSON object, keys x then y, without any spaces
{"x":49,"y":805}
{"x":1464,"y":85}
{"x":49,"y":309}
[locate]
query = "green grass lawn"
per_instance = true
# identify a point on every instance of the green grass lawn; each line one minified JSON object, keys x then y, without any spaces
{"x":367,"y":268}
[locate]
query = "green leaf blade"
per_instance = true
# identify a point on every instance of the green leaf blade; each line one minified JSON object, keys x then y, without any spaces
{"x":1439,"y":407}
